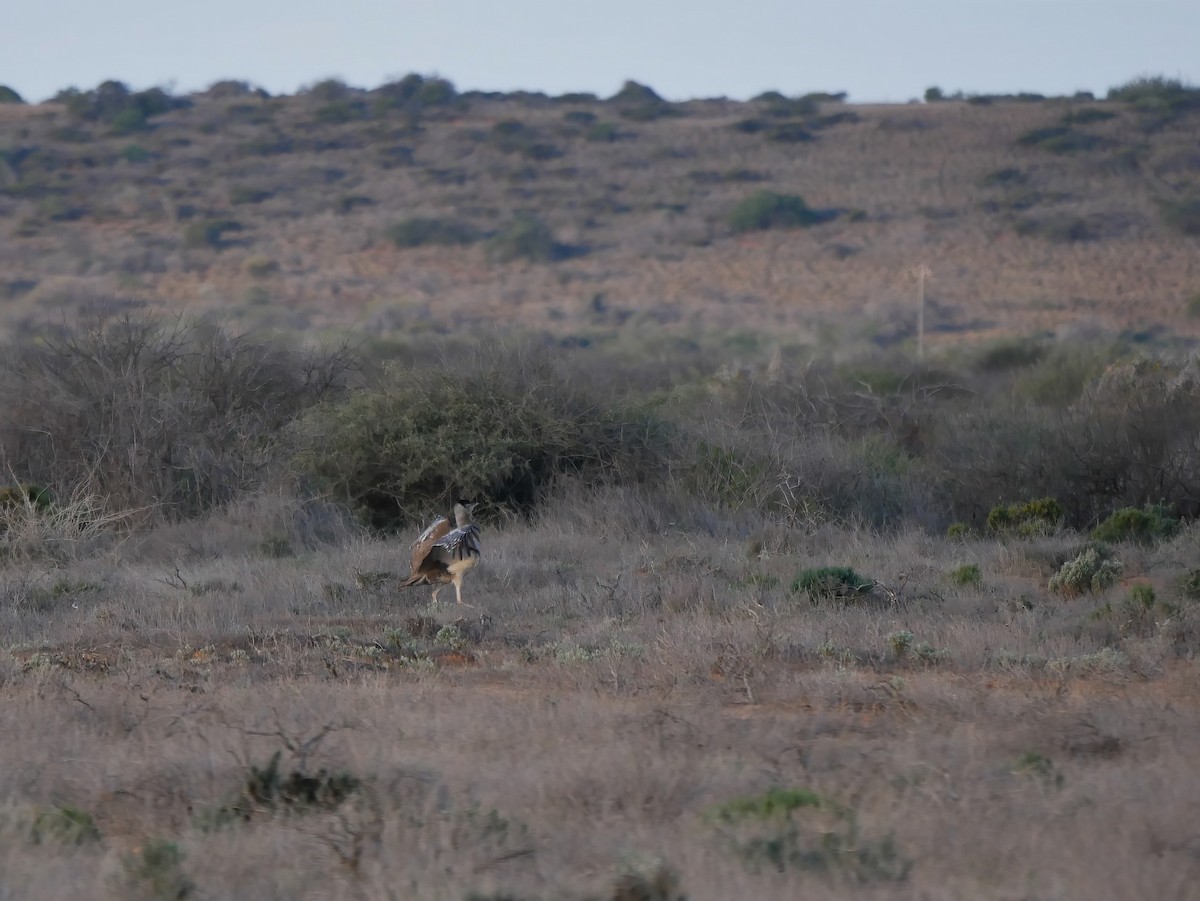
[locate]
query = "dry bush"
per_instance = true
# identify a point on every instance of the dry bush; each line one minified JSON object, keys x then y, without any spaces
{"x":167,"y":416}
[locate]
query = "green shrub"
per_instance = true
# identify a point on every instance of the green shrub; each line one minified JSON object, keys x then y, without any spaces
{"x":1142,"y":597}
{"x":65,"y":825}
{"x":958,"y":530}
{"x":505,"y":429}
{"x":36,"y":496}
{"x":602,"y":132}
{"x":1003,"y":177}
{"x":128,"y":121}
{"x":348,"y":203}
{"x":1133,"y":524}
{"x":209,"y":233}
{"x":634,"y":93}
{"x":135,"y":153}
{"x":796,"y":829}
{"x":155,"y":871}
{"x":1182,"y":215}
{"x":8,"y":95}
{"x":1037,"y":517}
{"x":269,"y":789}
{"x":789,"y":133}
{"x":1189,"y":585}
{"x":1093,"y":569}
{"x":832,"y":583}
{"x":1163,"y":98}
{"x":767,"y":209}
{"x":423,"y":232}
{"x":1009,"y":354}
{"x":526,"y":238}
{"x":934,"y":94}
{"x":1060,"y":228}
{"x":967,"y":574}
{"x":260,"y":267}
{"x":1192,"y":307}
{"x":240,"y":195}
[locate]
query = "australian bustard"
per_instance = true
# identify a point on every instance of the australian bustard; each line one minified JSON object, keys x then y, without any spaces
{"x":442,"y":555}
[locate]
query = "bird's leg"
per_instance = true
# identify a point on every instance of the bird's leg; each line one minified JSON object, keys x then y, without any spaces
{"x":458,"y":592}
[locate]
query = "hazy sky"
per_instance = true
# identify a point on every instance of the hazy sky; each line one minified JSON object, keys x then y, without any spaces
{"x":875,"y":49}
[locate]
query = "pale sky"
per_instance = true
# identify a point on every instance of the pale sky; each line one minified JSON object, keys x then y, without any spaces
{"x":877,"y":50}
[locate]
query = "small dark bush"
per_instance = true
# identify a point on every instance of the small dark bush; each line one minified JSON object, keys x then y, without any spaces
{"x":579,"y":117}
{"x":329,"y":90}
{"x":633,"y":92}
{"x":1016,"y":353}
{"x":527,"y":238}
{"x":338,"y":112}
{"x":209,"y":233}
{"x":1060,"y":139}
{"x":768,"y":209}
{"x":423,"y":232}
{"x":1144,"y":525}
{"x":36,"y":496}
{"x":135,"y":153}
{"x":1004,"y":177}
{"x":1087,"y":115}
{"x":348,"y":203}
{"x":154,"y":871}
{"x":269,"y":790}
{"x":241,"y":194}
{"x":1061,"y":229}
{"x":832,"y":583}
{"x":8,"y":95}
{"x":790,"y":133}
{"x":602,"y":132}
{"x":65,"y":825}
{"x":1182,"y":215}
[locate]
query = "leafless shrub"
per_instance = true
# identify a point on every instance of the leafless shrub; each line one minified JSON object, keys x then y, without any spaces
{"x":138,"y":413}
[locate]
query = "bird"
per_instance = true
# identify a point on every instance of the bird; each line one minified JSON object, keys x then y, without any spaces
{"x":441,"y":555}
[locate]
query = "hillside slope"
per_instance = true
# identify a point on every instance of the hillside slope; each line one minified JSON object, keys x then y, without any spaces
{"x":282,"y":211}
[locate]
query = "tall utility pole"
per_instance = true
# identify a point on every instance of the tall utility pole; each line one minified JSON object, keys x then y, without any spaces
{"x":922,"y":272}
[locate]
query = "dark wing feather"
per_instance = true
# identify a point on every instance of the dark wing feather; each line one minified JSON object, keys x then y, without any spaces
{"x":426,"y":541}
{"x":459,"y":544}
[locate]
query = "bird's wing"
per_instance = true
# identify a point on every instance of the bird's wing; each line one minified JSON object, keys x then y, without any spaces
{"x":426,"y":541}
{"x":459,"y":544}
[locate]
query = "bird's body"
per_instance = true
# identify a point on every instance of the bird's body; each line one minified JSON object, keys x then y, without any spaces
{"x":442,"y":555}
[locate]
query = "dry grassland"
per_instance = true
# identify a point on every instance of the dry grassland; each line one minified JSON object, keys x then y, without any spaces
{"x":627,"y":674}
